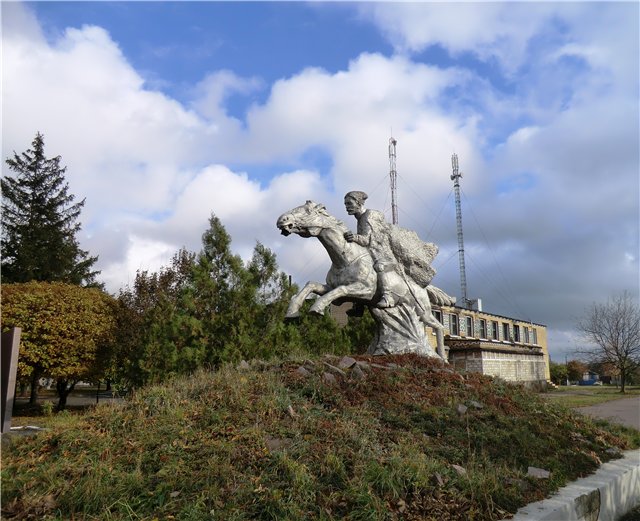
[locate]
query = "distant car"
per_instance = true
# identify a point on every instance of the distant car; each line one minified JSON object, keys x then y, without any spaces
{"x":597,"y":383}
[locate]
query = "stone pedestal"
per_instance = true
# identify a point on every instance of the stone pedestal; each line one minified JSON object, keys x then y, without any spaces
{"x":399,"y":331}
{"x":9,"y":347}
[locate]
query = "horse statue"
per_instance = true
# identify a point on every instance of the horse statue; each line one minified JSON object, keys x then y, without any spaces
{"x":352,"y":278}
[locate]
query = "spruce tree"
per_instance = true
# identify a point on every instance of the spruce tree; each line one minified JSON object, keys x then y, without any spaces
{"x":40,"y":222}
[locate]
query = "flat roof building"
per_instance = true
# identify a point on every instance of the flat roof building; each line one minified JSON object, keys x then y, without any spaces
{"x":476,"y":341}
{"x":513,"y":349}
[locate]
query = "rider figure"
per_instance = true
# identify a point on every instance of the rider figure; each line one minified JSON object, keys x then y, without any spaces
{"x":373,"y":234}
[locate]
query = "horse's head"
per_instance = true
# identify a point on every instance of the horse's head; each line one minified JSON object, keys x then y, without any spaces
{"x":307,"y":220}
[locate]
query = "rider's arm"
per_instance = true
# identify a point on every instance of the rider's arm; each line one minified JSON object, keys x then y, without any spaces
{"x":363,"y":237}
{"x":362,"y":240}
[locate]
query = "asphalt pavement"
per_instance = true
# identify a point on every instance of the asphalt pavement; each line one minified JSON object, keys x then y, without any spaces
{"x":625,"y":411}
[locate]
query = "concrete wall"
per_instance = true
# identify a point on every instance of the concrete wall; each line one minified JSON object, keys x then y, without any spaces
{"x":513,"y":367}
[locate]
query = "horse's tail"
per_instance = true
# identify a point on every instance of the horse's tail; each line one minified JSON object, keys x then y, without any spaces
{"x":439,"y":297}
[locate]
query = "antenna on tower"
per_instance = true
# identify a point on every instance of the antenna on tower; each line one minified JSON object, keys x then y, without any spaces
{"x":455,"y":177}
{"x":394,"y":180}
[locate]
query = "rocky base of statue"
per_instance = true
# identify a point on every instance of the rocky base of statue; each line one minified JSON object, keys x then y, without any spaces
{"x":399,"y":331}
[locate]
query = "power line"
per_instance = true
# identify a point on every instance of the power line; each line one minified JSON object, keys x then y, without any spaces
{"x":496,"y":287}
{"x":439,"y":213}
{"x":416,"y":193}
{"x":382,"y":180}
{"x":511,"y":301}
{"x":444,"y":263}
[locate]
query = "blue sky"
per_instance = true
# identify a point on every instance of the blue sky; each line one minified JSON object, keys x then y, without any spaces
{"x":165,"y":112}
{"x":271,"y":40}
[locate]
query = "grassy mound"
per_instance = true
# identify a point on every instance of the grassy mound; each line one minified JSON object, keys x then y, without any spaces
{"x":391,"y":438}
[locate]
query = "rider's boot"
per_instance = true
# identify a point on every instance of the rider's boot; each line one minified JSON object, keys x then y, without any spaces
{"x":388,"y":300}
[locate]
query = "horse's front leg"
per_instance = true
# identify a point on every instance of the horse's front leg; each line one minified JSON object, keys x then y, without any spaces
{"x":293,"y":311}
{"x":357,"y":290}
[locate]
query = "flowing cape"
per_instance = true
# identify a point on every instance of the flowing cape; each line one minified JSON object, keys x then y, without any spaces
{"x":413,"y":254}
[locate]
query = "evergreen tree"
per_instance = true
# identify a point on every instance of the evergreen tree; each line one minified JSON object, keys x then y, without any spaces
{"x":40,"y":222}
{"x":208,"y":309}
{"x":159,"y":334}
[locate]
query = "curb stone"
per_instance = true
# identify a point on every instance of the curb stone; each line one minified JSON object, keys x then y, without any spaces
{"x":608,"y":494}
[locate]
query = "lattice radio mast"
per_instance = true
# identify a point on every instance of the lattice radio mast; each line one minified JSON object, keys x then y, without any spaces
{"x":455,"y":177}
{"x":394,"y":180}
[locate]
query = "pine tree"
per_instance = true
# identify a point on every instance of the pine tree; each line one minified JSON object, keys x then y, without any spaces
{"x":40,"y":222}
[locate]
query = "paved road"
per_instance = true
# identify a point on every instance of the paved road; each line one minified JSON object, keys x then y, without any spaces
{"x":73,"y":400}
{"x":625,"y":411}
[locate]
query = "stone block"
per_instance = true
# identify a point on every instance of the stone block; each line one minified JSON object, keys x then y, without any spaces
{"x":9,"y":346}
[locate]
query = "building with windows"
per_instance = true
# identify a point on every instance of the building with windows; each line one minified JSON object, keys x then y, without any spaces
{"x":477,"y":341}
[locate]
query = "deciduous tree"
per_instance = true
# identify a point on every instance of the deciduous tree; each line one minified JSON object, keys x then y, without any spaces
{"x":575,"y":370}
{"x":64,"y":327}
{"x":40,"y":222}
{"x":612,"y":334}
{"x":558,"y":373}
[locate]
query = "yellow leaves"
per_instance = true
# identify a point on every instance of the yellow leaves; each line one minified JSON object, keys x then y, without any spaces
{"x":62,"y":324}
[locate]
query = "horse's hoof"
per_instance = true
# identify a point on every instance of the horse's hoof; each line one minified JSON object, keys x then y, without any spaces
{"x":315,"y":311}
{"x":293,"y":317}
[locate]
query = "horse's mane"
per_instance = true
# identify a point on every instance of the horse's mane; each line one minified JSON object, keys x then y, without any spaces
{"x":321,"y":209}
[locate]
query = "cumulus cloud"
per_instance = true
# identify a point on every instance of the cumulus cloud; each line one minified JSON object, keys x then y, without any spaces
{"x":490,"y":31}
{"x":118,"y":139}
{"x":559,"y":203}
{"x":149,"y":165}
{"x":550,"y":200}
{"x":211,"y":93}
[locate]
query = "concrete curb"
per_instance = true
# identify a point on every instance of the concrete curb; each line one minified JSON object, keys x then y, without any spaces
{"x":607,"y":495}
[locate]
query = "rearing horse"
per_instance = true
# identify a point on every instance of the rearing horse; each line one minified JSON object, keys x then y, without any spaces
{"x":351,"y":276}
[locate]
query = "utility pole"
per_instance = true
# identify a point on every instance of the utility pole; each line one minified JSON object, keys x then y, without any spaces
{"x":394,"y":180}
{"x":455,"y":177}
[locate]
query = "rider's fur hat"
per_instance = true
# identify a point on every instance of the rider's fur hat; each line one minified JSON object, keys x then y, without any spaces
{"x":359,"y":196}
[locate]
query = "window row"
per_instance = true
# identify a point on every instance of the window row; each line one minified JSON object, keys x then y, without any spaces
{"x":493,"y":330}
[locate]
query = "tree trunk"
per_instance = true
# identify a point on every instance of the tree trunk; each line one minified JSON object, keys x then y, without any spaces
{"x":63,"y":392}
{"x":35,"y":378}
{"x":623,"y":377}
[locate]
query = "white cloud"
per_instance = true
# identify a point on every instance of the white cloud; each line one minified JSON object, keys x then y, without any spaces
{"x":559,"y":146}
{"x":147,"y":164}
{"x":211,"y":93}
{"x":142,"y":254}
{"x":489,"y":30}
{"x":117,"y":139}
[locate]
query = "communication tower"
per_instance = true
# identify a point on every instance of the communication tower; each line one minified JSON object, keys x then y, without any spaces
{"x":455,"y":177}
{"x":394,"y":180}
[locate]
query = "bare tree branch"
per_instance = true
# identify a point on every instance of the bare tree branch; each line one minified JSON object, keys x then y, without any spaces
{"x":612,"y":334}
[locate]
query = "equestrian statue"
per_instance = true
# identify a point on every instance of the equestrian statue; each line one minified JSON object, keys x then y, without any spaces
{"x":382,"y":266}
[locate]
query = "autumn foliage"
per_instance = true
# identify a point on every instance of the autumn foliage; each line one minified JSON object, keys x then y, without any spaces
{"x":65,"y":329}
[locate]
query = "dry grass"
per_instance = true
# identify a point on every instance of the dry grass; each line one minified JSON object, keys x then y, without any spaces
{"x":271,"y":443}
